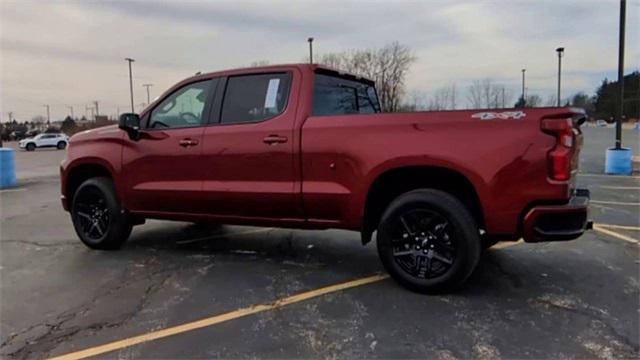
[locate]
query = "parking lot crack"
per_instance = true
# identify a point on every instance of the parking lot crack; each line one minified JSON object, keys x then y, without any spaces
{"x":41,"y":244}
{"x":19,"y":346}
{"x":586,"y":312}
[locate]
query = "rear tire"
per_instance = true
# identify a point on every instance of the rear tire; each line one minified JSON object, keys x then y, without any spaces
{"x":31,"y":146}
{"x":61,"y":145}
{"x":97,"y":216}
{"x":428,"y":241}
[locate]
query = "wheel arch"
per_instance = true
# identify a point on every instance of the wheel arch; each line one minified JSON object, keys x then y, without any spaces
{"x":396,"y":181}
{"x":79,"y":173}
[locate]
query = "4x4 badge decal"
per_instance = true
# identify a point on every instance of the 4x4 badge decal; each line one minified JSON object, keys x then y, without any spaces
{"x":499,"y":115}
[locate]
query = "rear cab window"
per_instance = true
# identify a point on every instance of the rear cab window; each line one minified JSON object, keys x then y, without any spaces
{"x":338,"y":94}
{"x":255,"y":97}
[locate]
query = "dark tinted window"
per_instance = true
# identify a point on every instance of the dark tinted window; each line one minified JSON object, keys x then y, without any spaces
{"x":251,"y":98}
{"x":333,"y":95}
{"x":183,"y":108}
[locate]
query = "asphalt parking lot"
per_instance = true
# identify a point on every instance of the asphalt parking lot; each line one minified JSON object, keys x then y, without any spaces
{"x":577,"y":299}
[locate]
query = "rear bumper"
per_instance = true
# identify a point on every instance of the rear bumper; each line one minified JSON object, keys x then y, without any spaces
{"x":558,"y":222}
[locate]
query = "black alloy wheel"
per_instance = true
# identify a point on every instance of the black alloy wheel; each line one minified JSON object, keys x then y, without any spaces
{"x":428,"y":241}
{"x":423,"y":244}
{"x":97,"y":216}
{"x":90,"y":208}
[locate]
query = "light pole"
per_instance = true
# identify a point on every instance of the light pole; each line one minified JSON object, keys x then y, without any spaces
{"x":618,"y":159}
{"x":310,"y":40}
{"x":560,"y":52}
{"x":620,"y":107}
{"x":523,"y":99}
{"x":48,"y":117}
{"x":148,"y":97}
{"x":130,"y":60}
{"x":71,"y":108}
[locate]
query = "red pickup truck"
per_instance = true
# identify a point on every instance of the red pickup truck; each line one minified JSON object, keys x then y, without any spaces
{"x":303,"y":146}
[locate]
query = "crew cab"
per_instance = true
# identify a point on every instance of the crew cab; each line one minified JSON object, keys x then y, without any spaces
{"x":304,"y":146}
{"x":45,"y":140}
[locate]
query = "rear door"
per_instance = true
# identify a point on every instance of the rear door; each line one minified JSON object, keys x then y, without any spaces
{"x":248,"y":154}
{"x":163,"y":170}
{"x":47,"y":140}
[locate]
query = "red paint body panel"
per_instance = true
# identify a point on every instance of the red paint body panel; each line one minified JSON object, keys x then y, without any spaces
{"x":246,"y":177}
{"x":505,"y":160}
{"x":321,"y":175}
{"x":161,"y":175}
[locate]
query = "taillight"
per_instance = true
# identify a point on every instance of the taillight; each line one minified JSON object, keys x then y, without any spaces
{"x":559,"y":158}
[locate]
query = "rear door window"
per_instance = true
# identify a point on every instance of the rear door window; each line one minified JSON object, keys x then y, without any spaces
{"x":253,"y":98}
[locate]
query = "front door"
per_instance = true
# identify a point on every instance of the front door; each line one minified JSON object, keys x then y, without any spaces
{"x":163,"y":169}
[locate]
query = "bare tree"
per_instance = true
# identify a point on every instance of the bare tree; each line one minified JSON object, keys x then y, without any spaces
{"x":533,"y":100}
{"x":387,"y":66}
{"x":38,"y":122}
{"x":444,"y":98}
{"x":482,"y":94}
{"x":552,"y":100}
{"x":415,"y":100}
{"x":485,"y":93}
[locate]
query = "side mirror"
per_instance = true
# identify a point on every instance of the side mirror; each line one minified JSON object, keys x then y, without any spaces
{"x":130,"y":123}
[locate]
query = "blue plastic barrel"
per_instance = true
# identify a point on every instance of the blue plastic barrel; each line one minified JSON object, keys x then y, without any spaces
{"x":7,"y":168}
{"x":618,"y":161}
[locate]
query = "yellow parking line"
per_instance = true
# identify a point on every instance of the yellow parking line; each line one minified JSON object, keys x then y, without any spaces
{"x":609,"y":176}
{"x":621,"y":227}
{"x":614,"y":203}
{"x":202,"y":323}
{"x":614,"y":234}
{"x":620,"y":187}
{"x":12,"y":190}
{"x":506,"y":244}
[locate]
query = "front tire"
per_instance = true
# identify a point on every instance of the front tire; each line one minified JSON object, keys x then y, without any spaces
{"x":31,"y":146}
{"x":428,"y":241}
{"x":97,"y":215}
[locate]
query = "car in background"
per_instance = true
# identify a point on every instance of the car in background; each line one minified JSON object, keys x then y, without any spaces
{"x":17,"y":135}
{"x":601,"y":123}
{"x":58,"y":141}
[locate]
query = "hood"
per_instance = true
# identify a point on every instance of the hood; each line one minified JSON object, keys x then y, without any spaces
{"x":109,"y":131}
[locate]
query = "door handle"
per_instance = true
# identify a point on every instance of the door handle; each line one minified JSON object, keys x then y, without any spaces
{"x":188,"y":142}
{"x":274,"y":139}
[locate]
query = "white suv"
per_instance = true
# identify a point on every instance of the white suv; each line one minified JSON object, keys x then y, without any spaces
{"x":44,"y":140}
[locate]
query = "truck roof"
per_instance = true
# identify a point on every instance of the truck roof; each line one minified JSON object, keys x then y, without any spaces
{"x":278,"y":67}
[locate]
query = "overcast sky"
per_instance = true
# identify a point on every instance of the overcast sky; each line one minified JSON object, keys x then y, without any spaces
{"x":71,"y":53}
